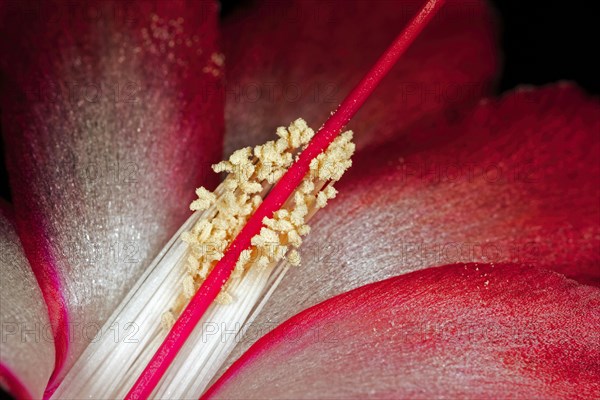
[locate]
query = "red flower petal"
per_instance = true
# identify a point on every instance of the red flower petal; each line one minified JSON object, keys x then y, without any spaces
{"x":112,"y":117}
{"x":459,"y":331}
{"x":292,"y":59}
{"x":514,"y":181}
{"x":26,"y":347}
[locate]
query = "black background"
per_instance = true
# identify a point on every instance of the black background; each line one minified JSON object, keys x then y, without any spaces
{"x":542,"y":42}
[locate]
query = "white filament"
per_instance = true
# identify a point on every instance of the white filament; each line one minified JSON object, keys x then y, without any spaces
{"x":111,"y":364}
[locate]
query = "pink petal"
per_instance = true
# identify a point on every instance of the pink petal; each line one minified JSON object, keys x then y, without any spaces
{"x":112,"y":118}
{"x":515,"y":180}
{"x":299,"y":59}
{"x":459,"y":331}
{"x":26,"y":347}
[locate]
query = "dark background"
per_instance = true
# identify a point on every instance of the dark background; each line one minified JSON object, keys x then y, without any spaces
{"x":542,"y":42}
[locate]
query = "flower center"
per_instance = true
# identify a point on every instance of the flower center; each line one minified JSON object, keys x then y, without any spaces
{"x":279,"y":196}
{"x":251,"y":175}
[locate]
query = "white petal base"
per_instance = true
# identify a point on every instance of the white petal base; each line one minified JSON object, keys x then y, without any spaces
{"x":26,"y":345}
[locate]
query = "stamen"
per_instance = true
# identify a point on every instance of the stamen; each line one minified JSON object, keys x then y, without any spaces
{"x":251,"y":171}
{"x":280,"y":193}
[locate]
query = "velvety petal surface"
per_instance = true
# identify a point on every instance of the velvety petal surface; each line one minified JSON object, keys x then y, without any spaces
{"x":301,"y":58}
{"x":514,"y":180}
{"x":26,"y":346}
{"x":458,"y":331}
{"x":112,"y":113}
